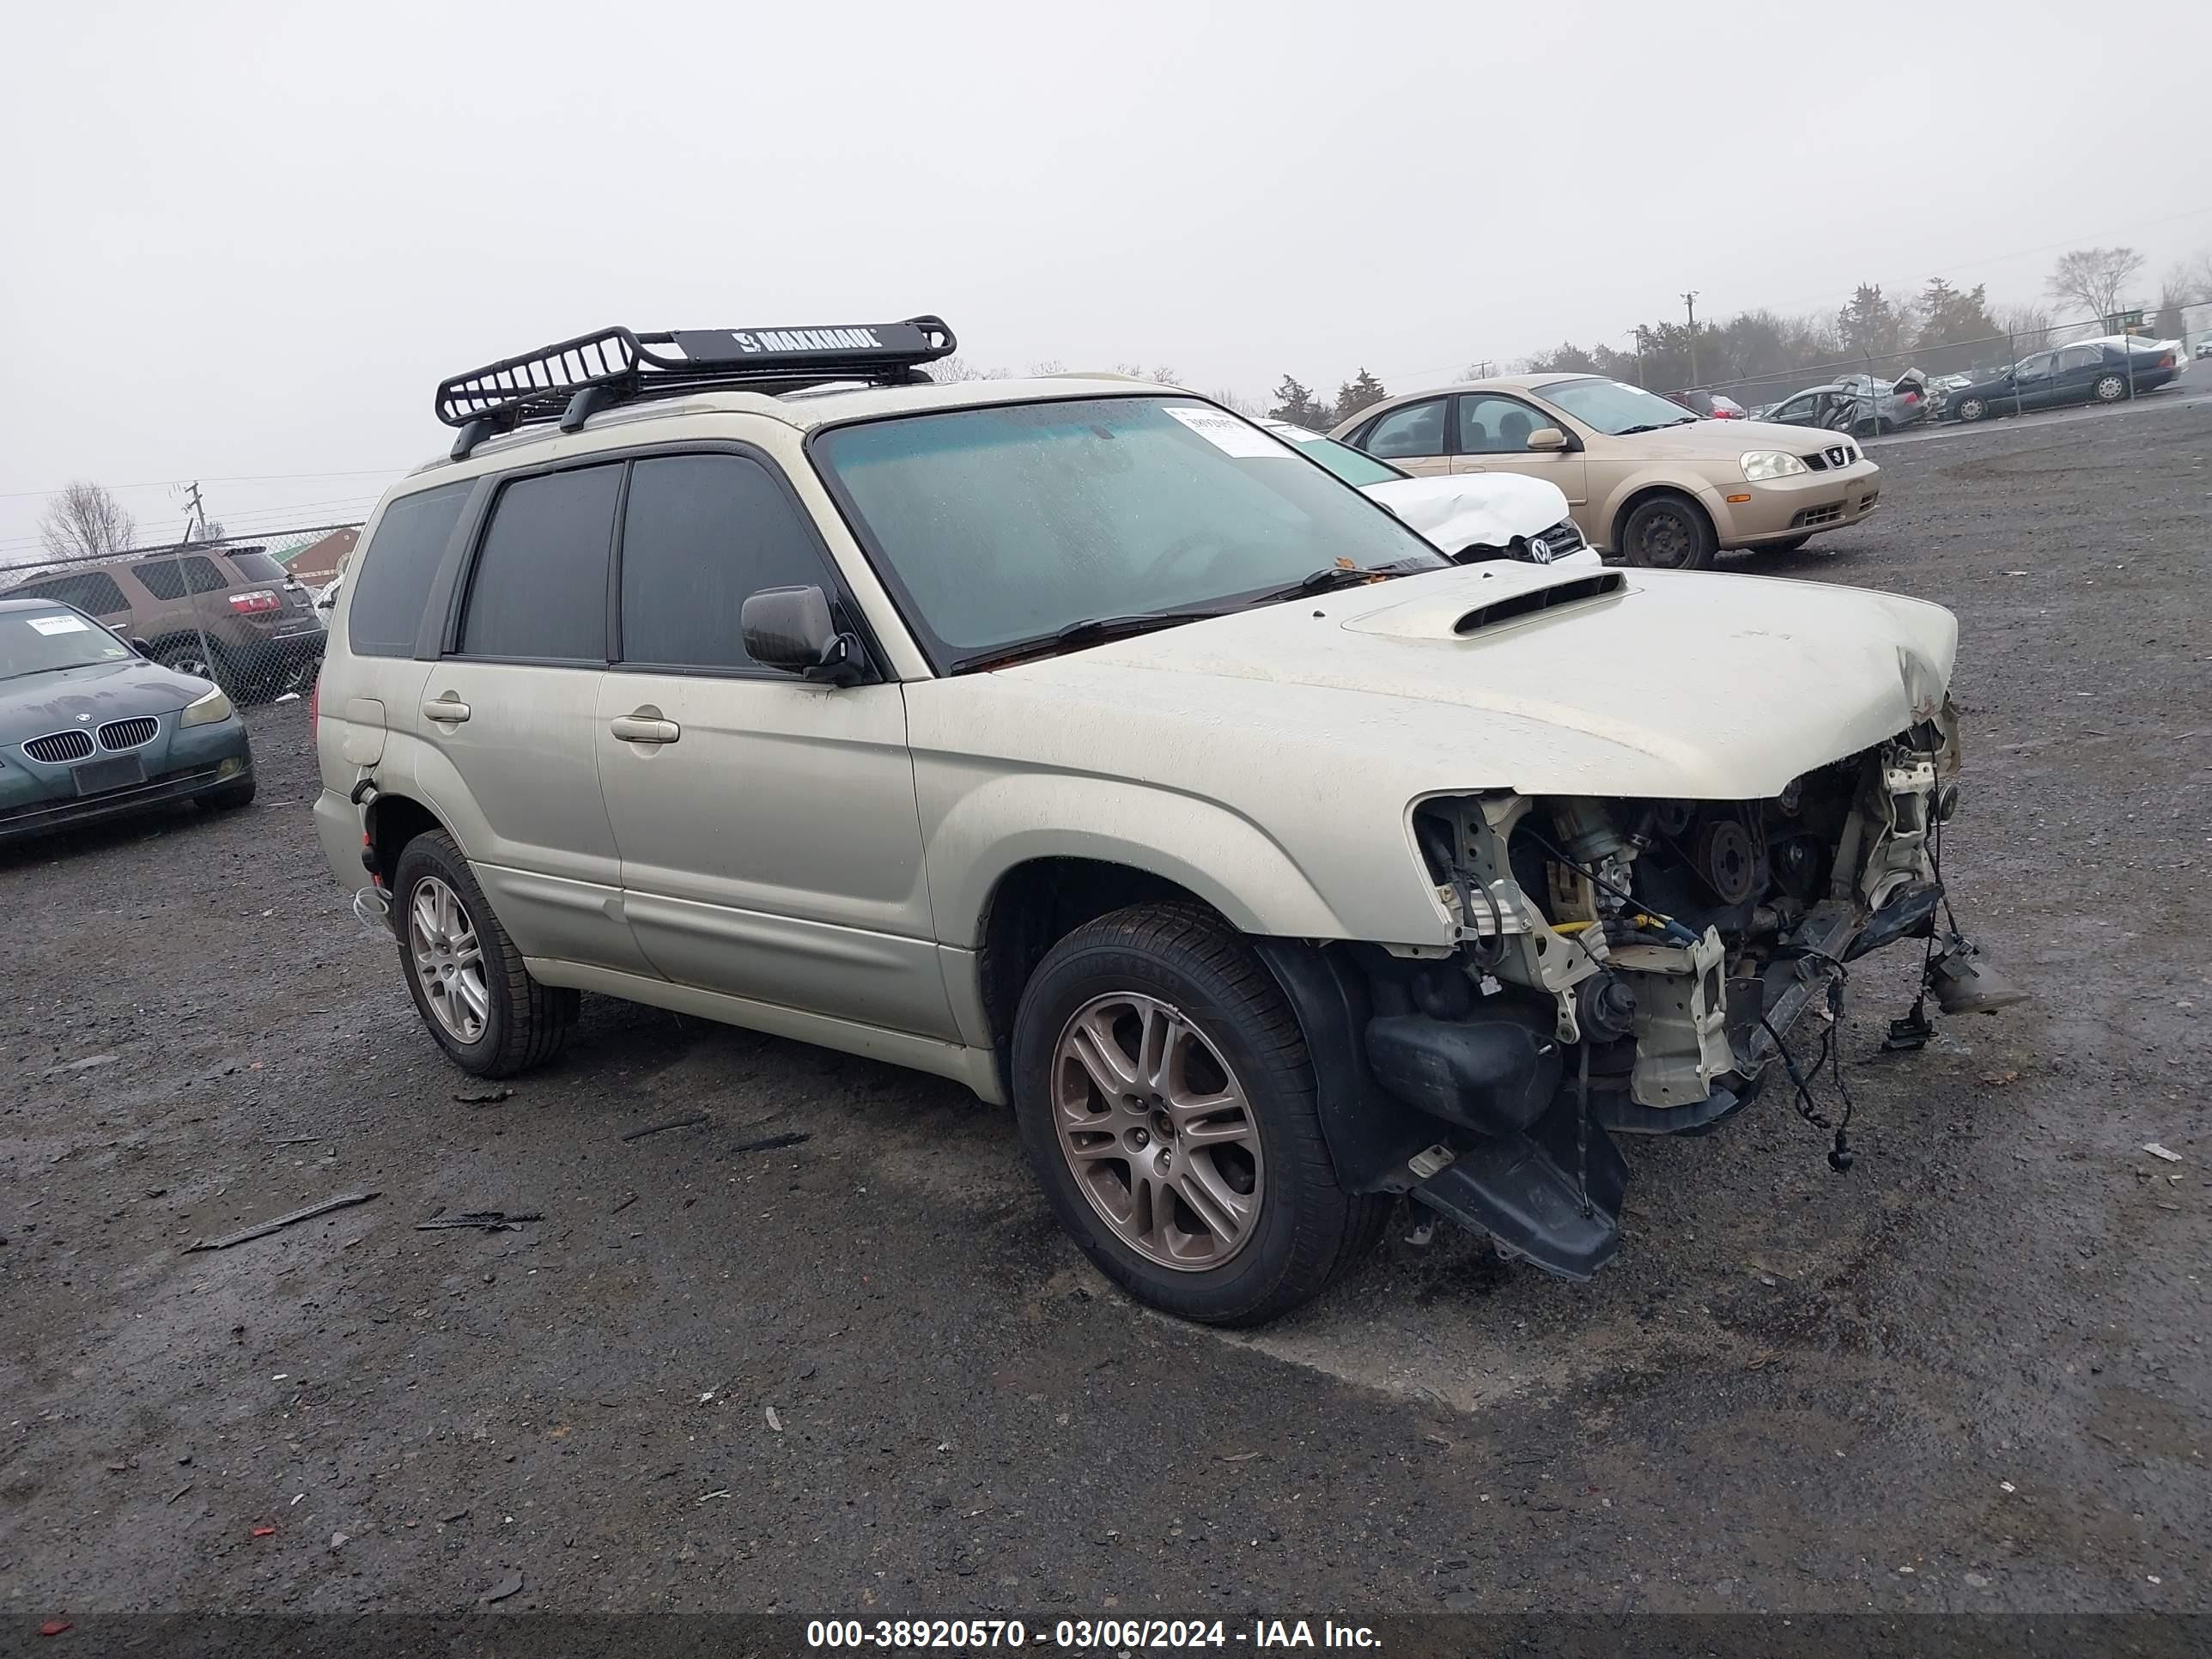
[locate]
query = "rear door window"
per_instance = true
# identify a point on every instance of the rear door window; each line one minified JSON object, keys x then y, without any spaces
{"x":702,"y":533}
{"x":539,"y":590}
{"x":1415,"y":431}
{"x":204,"y":575}
{"x":396,"y":569}
{"x":163,"y":577}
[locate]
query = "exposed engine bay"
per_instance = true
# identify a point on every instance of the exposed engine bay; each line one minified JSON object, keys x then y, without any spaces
{"x":1635,"y":966}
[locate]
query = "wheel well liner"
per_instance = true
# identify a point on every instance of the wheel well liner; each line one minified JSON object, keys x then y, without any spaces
{"x":392,"y":821}
{"x":1038,"y":904}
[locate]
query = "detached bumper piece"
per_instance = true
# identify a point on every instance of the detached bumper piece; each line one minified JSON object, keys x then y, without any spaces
{"x":1538,"y":1194}
{"x":1539,"y":1191}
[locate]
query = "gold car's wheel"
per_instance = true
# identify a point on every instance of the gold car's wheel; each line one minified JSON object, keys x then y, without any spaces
{"x":466,"y":977}
{"x":448,"y":959}
{"x":1158,"y":1131}
{"x":1668,"y":532}
{"x":1168,"y":1106}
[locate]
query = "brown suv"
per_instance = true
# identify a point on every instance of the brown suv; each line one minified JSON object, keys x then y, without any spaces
{"x":231,"y":614}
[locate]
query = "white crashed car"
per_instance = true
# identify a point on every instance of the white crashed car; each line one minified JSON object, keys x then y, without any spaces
{"x":1492,"y":515}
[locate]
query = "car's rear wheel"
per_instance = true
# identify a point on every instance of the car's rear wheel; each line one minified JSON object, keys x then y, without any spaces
{"x":1167,"y":1104}
{"x":2109,"y":388}
{"x":1668,"y":532}
{"x":467,"y":978}
{"x":1971,"y":409}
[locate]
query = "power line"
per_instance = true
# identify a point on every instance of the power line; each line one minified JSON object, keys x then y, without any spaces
{"x":243,"y":478}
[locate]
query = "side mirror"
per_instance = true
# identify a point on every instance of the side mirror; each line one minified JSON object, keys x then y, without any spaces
{"x":143,"y":647}
{"x":1547,"y":438}
{"x":791,"y":628}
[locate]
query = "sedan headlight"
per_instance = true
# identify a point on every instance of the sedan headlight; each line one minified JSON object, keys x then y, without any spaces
{"x":207,"y":711}
{"x":1759,"y":465}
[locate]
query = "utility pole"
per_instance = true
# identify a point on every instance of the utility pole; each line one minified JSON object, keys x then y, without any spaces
{"x":195,"y":513}
{"x":1690,"y":301}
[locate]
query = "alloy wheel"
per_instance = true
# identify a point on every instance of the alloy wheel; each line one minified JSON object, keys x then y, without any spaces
{"x":448,"y":959}
{"x":1158,"y":1131}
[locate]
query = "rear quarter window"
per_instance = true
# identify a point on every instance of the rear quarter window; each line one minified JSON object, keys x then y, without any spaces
{"x":393,"y":572}
{"x":258,"y":567}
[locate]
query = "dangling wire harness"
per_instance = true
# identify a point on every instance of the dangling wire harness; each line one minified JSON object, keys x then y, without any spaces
{"x":1840,"y":1156}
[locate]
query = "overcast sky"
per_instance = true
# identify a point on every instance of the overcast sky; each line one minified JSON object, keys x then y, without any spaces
{"x":246,"y":241}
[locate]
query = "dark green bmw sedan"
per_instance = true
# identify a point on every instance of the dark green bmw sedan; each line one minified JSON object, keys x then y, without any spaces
{"x":89,"y":728}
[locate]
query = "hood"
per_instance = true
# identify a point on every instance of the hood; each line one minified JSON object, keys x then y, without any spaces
{"x":38,"y":704}
{"x":1488,"y":509}
{"x":1709,"y":440}
{"x":1640,"y":683}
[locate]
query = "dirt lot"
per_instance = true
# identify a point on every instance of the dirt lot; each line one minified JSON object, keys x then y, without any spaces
{"x":864,"y":1373}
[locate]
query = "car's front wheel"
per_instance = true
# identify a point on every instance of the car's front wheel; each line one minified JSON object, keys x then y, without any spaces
{"x":1971,"y":409}
{"x":1668,"y":532}
{"x":467,"y":978}
{"x":1167,"y":1104}
{"x":2109,"y":388}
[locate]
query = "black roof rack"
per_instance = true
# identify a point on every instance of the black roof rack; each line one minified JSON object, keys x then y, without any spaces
{"x":573,"y":380}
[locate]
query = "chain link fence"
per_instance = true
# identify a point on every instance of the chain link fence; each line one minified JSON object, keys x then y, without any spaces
{"x":2110,"y":360}
{"x":226,"y":609}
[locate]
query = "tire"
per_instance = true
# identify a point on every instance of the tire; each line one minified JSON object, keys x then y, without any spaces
{"x":185,"y":657}
{"x":1668,"y":532}
{"x":2110,"y":389}
{"x":518,"y":1023}
{"x":1787,"y":544}
{"x":230,"y":797}
{"x":1970,"y":410}
{"x":1174,"y":981}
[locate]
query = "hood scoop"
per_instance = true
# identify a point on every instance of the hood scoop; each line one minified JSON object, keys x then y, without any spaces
{"x":1512,"y":607}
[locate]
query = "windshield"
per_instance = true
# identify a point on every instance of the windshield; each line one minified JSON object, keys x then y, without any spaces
{"x":1347,"y":463}
{"x":1612,"y":408}
{"x":40,"y":642}
{"x":999,"y":526}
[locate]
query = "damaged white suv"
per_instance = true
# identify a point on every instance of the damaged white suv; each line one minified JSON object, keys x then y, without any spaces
{"x":1086,"y":743}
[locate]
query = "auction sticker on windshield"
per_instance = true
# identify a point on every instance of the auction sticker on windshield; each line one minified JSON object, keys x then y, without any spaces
{"x":58,"y":624}
{"x":1228,"y":434}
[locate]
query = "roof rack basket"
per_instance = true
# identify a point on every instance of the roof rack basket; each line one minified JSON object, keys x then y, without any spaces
{"x":573,"y":380}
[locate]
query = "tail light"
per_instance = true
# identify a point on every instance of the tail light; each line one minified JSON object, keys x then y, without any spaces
{"x":1911,"y":398}
{"x":315,"y":708}
{"x":2167,"y":361}
{"x":261,"y":598}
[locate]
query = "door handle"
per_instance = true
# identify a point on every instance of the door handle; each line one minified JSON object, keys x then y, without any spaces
{"x":446,"y":710}
{"x":645,"y":726}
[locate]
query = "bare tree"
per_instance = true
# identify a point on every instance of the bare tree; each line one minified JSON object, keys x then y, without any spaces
{"x":85,"y":521}
{"x":1230,"y":399}
{"x":2028,"y":327}
{"x":2095,"y":278}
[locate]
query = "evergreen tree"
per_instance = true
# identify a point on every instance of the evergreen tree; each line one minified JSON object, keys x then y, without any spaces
{"x":1362,"y":391}
{"x":1297,"y":406}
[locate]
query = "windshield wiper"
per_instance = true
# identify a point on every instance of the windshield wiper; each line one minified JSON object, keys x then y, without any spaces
{"x":1091,"y":630}
{"x":1322,"y":581}
{"x":1649,"y":426}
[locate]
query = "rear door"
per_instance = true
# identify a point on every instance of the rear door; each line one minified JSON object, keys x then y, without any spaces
{"x":770,"y":841}
{"x":2075,"y":379}
{"x":508,"y":716}
{"x":1410,"y":436}
{"x":1491,"y":435}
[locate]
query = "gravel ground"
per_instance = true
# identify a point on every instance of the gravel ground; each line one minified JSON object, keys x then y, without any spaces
{"x":863,"y":1373}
